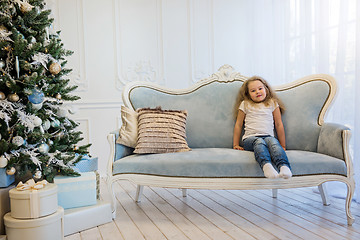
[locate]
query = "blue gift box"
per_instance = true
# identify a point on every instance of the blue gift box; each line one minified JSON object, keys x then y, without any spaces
{"x":5,"y":180}
{"x":76,"y":191}
{"x":86,"y":164}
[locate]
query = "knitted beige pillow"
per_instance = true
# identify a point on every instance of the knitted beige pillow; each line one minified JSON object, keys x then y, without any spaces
{"x":161,"y":131}
{"x":128,"y":132}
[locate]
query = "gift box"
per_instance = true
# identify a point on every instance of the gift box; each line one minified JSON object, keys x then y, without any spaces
{"x":76,"y":191}
{"x":86,"y":164}
{"x":79,"y":219}
{"x":44,"y":228}
{"x":4,"y":206}
{"x":33,"y":203}
{"x":5,"y":180}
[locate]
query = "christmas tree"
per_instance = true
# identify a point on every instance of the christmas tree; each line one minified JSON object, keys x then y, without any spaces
{"x":36,"y":135}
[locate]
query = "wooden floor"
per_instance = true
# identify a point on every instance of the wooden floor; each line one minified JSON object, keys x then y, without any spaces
{"x":223,"y":214}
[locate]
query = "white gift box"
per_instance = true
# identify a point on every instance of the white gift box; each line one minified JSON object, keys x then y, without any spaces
{"x":44,"y":228}
{"x":4,"y":206}
{"x":79,"y":219}
{"x":33,"y":203}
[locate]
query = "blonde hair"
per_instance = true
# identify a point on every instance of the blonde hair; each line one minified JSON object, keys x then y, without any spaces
{"x":244,"y":94}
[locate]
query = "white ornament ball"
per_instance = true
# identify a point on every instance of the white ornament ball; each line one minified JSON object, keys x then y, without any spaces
{"x":36,"y":120}
{"x":18,"y":141}
{"x":11,"y":171}
{"x":43,"y":148}
{"x":46,"y":125}
{"x":37,"y":106}
{"x":3,"y":161}
{"x":2,"y":64}
{"x":37,"y":174}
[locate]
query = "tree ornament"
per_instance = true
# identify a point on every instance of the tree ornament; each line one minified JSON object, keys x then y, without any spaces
{"x":43,"y":148}
{"x":37,"y":96}
{"x":36,"y":120}
{"x":37,"y":174}
{"x":13,"y":97}
{"x":55,"y":68}
{"x":37,"y":106}
{"x":25,"y":7}
{"x":46,"y":125}
{"x":2,"y":96}
{"x":55,"y":123}
{"x":2,"y":64}
{"x":11,"y":171}
{"x":58,"y":96}
{"x":32,"y":39}
{"x":3,"y":161}
{"x":18,"y":141}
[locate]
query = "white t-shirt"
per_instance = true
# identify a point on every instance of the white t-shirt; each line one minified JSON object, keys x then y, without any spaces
{"x":259,"y":119}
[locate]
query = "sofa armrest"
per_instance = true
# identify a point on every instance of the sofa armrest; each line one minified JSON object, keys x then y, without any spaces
{"x":118,"y":150}
{"x":331,"y":140}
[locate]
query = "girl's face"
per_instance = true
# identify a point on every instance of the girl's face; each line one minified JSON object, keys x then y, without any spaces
{"x":257,"y":91}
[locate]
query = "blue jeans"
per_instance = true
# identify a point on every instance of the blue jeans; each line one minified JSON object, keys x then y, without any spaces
{"x":267,"y":149}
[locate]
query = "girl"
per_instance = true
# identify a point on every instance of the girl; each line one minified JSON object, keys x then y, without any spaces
{"x":260,"y":111}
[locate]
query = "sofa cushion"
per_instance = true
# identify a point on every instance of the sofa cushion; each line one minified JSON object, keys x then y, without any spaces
{"x":161,"y":131}
{"x":129,"y":130}
{"x":223,"y":162}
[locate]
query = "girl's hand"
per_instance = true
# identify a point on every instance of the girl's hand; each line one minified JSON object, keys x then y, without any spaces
{"x":237,"y":147}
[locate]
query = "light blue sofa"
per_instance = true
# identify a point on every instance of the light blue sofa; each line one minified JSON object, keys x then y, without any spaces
{"x":318,"y":152}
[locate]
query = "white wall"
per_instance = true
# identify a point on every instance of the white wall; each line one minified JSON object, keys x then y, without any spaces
{"x":171,"y":42}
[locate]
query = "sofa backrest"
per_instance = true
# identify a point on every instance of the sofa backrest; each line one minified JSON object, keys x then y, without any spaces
{"x":210,"y":105}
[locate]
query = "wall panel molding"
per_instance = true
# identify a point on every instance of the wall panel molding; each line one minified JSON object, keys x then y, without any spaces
{"x":73,"y":35}
{"x":201,"y":32}
{"x":136,"y":65}
{"x":85,"y":128}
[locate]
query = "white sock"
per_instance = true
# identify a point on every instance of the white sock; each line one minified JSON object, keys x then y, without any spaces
{"x":285,"y":172}
{"x":269,"y":171}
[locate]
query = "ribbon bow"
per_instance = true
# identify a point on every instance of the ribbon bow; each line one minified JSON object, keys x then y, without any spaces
{"x":30,"y":184}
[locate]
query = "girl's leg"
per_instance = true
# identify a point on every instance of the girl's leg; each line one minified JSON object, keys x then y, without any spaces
{"x":262,"y":155}
{"x":278,"y":156}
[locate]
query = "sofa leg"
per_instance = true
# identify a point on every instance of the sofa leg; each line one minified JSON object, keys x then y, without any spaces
{"x":274,"y":193}
{"x":139,"y":190}
{"x":184,"y":192}
{"x":109,"y":184}
{"x":349,"y":196}
{"x":323,"y":194}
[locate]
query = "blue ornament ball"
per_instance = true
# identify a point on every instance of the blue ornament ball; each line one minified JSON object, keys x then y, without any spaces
{"x":36,"y":97}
